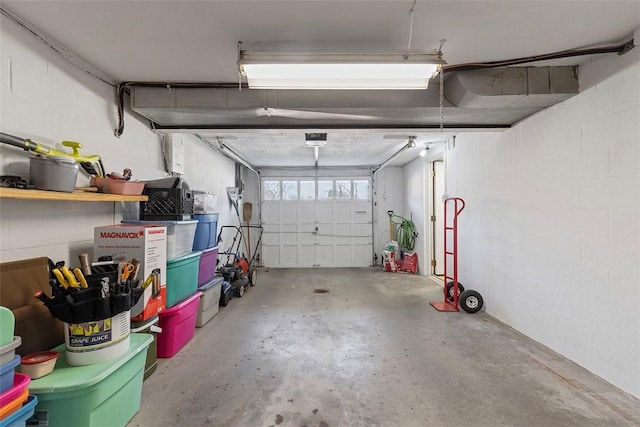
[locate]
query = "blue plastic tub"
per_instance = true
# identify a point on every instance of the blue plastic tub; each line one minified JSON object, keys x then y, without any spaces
{"x":206,"y":231}
{"x":6,"y":373}
{"x":20,"y":417}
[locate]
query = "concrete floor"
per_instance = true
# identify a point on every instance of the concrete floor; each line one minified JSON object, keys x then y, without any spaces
{"x":370,"y":352}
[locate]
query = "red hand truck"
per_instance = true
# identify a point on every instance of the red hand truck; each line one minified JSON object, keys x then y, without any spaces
{"x":450,"y":251}
{"x":470,"y":300}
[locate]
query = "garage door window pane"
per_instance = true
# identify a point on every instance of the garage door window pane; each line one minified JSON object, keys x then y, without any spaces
{"x":272,"y":190}
{"x":289,"y":190}
{"x":325,"y":190}
{"x":307,"y":190}
{"x":343,"y":189}
{"x":361,"y":190}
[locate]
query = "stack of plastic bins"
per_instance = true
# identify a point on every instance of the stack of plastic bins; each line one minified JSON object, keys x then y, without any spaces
{"x":178,"y":326}
{"x":149,"y":326}
{"x":9,"y":360}
{"x":15,"y":397}
{"x":209,"y":301}
{"x":19,"y":418}
{"x":16,"y":406}
{"x":105,"y":393}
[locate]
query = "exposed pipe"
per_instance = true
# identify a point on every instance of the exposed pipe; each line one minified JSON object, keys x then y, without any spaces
{"x":239,"y":159}
{"x":228,"y":152}
{"x":123,"y":87}
{"x":410,"y":144}
{"x":619,"y":49}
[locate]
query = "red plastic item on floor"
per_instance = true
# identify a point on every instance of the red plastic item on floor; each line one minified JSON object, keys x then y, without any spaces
{"x":178,"y":325}
{"x":409,"y":263}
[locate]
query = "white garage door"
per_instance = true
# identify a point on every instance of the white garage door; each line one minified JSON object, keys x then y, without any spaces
{"x":316,"y":223}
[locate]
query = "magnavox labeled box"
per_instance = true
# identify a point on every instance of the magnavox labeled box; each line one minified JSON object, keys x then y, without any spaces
{"x":147,"y":243}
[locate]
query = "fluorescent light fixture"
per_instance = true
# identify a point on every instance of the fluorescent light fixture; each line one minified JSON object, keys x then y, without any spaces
{"x":315,"y":139}
{"x":315,"y":143}
{"x":338,"y":71}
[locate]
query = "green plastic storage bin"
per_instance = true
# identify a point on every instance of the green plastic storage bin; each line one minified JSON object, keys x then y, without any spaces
{"x":103,"y":394}
{"x":149,"y":326}
{"x":7,"y":326}
{"x":182,"y":277}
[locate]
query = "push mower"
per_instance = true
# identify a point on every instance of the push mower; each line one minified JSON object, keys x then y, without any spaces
{"x":234,"y":266}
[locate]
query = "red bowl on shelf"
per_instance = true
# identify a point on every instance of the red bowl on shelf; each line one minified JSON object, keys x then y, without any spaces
{"x":118,"y":186}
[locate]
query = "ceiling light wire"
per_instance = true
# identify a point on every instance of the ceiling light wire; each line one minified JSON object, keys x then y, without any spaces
{"x":441,"y":100}
{"x":411,"y":12}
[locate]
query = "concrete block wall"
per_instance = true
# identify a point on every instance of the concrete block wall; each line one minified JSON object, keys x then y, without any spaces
{"x":389,"y":195}
{"x":416,"y":208}
{"x":551,"y":232}
{"x":45,"y":98}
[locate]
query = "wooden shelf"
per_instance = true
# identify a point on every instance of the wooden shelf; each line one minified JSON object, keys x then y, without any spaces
{"x":77,"y":196}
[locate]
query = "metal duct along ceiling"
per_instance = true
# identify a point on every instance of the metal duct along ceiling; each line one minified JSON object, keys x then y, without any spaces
{"x":489,"y":98}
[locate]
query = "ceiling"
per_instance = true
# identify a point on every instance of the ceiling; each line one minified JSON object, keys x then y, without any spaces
{"x":196,"y":41}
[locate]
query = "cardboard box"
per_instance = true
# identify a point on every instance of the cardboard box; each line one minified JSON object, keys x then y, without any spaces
{"x":147,"y":243}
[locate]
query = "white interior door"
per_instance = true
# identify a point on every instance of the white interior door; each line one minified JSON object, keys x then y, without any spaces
{"x":437,"y":232}
{"x":331,"y":229}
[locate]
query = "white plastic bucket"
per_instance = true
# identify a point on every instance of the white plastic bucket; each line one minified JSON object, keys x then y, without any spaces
{"x":96,"y":341}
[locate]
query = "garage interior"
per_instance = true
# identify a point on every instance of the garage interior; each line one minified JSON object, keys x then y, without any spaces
{"x":533,"y":120}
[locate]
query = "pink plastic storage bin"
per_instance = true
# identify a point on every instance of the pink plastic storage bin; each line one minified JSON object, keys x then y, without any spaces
{"x":178,"y":325}
{"x":207,"y":268}
{"x":20,"y":383}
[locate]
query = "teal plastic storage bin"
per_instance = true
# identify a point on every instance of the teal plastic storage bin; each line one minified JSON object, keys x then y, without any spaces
{"x":182,"y":277}
{"x":20,"y":417}
{"x":206,"y":231}
{"x":103,"y":394}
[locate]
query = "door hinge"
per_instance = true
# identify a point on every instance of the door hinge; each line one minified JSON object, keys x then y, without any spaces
{"x":433,"y":218}
{"x":433,"y":263}
{"x":433,"y":173}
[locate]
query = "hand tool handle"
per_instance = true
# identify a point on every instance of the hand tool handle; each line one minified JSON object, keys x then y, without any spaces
{"x":85,"y":265}
{"x":148,"y":281}
{"x":136,"y":267}
{"x":63,"y":282}
{"x":80,"y":277}
{"x":70,"y":277}
{"x":42,"y":297}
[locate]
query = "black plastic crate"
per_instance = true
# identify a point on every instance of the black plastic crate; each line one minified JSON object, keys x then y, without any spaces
{"x":167,"y":204}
